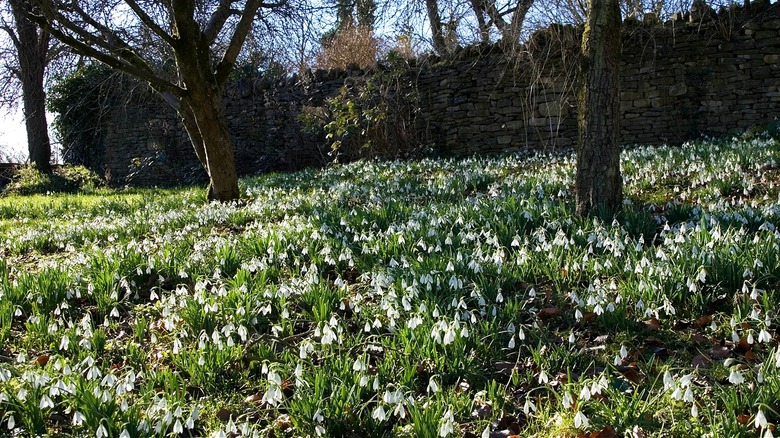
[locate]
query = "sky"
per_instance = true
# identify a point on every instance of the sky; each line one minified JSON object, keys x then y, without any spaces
{"x":13,"y":138}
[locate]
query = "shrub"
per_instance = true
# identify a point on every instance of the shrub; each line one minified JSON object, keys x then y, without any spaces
{"x":28,"y":180}
{"x":351,"y":46}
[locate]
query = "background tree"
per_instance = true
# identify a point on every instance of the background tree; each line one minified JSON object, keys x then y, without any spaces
{"x":599,"y":184}
{"x":26,"y":59}
{"x":203,"y":40}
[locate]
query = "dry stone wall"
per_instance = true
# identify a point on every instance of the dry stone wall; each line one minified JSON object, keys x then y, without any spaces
{"x":712,"y":74}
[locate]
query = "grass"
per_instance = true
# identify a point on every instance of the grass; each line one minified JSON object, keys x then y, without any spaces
{"x":428,"y":298}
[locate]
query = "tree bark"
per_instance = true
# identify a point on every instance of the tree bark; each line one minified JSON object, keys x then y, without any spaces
{"x":439,"y":45}
{"x":210,"y":129}
{"x":32,"y":46}
{"x":598,"y":182}
{"x":201,"y":107}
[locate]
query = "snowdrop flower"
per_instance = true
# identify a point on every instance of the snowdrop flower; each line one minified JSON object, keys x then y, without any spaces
{"x":46,"y":402}
{"x":379,"y":414}
{"x":763,"y":336}
{"x":433,"y":387}
{"x":529,"y":406}
{"x":760,"y":422}
{"x":11,"y":422}
{"x":580,"y":420}
{"x":736,"y":377}
{"x":585,"y":393}
{"x":447,"y":424}
{"x":567,"y":400}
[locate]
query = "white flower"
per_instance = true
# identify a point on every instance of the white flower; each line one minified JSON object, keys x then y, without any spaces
{"x":585,"y":393}
{"x":567,"y":400}
{"x":319,"y":430}
{"x":580,"y":420}
{"x":688,"y":397}
{"x":760,"y":422}
{"x":46,"y":402}
{"x":694,"y":411}
{"x":447,"y":424}
{"x":11,"y":422}
{"x":433,"y":387}
{"x":101,"y":432}
{"x":763,"y":336}
{"x":735,"y":377}
{"x":78,"y":418}
{"x":379,"y":414}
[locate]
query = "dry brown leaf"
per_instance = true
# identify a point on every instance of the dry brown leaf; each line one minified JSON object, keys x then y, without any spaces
{"x":549,"y":312}
{"x":607,"y":432}
{"x":704,"y":321}
{"x":224,"y":414}
{"x":42,"y":360}
{"x":254,"y":398}
{"x":750,"y":356}
{"x":632,"y":375}
{"x":719,"y":352}
{"x":653,"y":324}
{"x":743,"y":345}
{"x":743,"y":419}
{"x":283,"y":422}
{"x":587,"y":317}
{"x":700,"y":361}
{"x":482,"y":411}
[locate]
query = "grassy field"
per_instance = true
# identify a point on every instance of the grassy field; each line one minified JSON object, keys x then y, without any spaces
{"x":428,"y":298}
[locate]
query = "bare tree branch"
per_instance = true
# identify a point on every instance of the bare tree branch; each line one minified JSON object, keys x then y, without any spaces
{"x":149,"y":22}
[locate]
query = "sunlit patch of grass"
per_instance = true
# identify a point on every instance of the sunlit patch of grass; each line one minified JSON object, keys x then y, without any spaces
{"x":443,"y":297}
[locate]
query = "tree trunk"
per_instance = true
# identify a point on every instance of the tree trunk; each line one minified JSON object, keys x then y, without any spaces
{"x":439,"y":45}
{"x":211,"y":140}
{"x":32,"y":47}
{"x":599,"y":184}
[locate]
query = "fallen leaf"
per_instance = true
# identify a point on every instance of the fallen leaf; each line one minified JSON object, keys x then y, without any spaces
{"x":549,"y":312}
{"x":631,"y":374}
{"x":700,"y":361}
{"x":653,"y":324}
{"x":587,"y":317}
{"x":704,"y":321}
{"x":742,"y":346}
{"x":254,"y":398}
{"x":750,"y":356}
{"x":505,"y":367}
{"x":283,"y":422}
{"x":743,"y":419}
{"x":607,"y":432}
{"x":224,"y":414}
{"x":42,"y":360}
{"x":654,"y":341}
{"x":719,"y":352}
{"x":482,"y":411}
